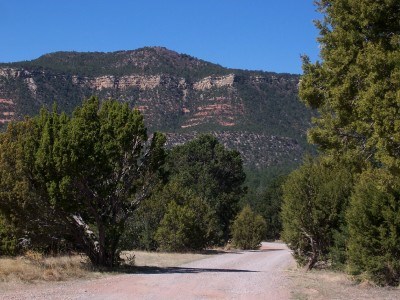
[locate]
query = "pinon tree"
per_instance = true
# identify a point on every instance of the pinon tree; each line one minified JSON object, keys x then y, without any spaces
{"x":80,"y":177}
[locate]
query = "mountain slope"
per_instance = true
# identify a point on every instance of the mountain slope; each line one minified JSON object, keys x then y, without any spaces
{"x":177,"y":93}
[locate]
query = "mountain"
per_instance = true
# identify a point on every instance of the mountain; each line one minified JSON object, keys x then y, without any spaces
{"x":255,"y":112}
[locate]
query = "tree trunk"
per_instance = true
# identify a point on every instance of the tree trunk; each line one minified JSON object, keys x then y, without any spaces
{"x":313,"y":260}
{"x":95,"y":248}
{"x":314,"y":248}
{"x":314,"y":256}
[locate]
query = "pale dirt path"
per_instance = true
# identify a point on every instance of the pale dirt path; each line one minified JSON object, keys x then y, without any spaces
{"x":238,"y":275}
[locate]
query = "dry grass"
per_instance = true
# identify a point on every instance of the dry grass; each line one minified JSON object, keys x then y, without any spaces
{"x":161,"y":259}
{"x":323,"y":284}
{"x":33,"y":267}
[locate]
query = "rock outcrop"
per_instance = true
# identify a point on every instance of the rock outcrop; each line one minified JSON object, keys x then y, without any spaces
{"x":7,"y":110}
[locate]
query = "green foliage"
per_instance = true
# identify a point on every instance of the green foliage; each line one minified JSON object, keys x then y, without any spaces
{"x":20,"y":198}
{"x":8,"y":240}
{"x":270,"y":207}
{"x":265,"y":195}
{"x":374,"y":227}
{"x":258,"y":180}
{"x":176,"y":228}
{"x":79,"y":177}
{"x":356,"y":91}
{"x":248,"y":229}
{"x":355,"y":87}
{"x":315,"y":197}
{"x":203,"y":180}
{"x":185,"y":227}
{"x":213,"y":173}
{"x":143,"y":225}
{"x":273,"y":106}
{"x":266,"y":200}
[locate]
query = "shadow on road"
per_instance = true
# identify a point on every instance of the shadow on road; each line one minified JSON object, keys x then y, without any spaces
{"x":183,"y":270}
{"x":216,"y":251}
{"x":266,"y":250}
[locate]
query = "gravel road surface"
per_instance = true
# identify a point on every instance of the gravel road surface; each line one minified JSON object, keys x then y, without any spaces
{"x":257,"y":274}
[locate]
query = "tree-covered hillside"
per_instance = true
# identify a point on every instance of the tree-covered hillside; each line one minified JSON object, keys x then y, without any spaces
{"x":176,"y":93}
{"x":144,"y":61}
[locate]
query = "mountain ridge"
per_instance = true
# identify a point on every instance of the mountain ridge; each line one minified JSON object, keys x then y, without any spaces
{"x":177,"y":93}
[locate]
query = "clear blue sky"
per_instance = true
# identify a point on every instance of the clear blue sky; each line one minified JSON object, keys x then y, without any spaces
{"x":267,"y":35}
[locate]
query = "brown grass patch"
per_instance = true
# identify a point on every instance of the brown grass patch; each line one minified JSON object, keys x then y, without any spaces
{"x":161,"y":259}
{"x":33,"y":266}
{"x":325,"y":284}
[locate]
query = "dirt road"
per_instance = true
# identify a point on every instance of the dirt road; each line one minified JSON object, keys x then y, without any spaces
{"x":237,"y":275}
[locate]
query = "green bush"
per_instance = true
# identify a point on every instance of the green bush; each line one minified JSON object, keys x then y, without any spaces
{"x":142,"y":227}
{"x":315,"y":197}
{"x":187,"y":227}
{"x":374,"y":228}
{"x":248,"y":229}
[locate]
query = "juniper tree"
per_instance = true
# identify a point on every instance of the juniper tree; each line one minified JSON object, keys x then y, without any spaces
{"x":315,"y":198}
{"x":355,"y":88}
{"x":79,"y":176}
{"x":374,"y":227}
{"x":248,"y":229}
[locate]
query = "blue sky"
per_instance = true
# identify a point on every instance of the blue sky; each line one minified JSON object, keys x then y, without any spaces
{"x":267,"y":35}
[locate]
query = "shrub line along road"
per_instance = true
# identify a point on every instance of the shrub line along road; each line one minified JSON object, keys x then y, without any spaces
{"x":259,"y":274}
